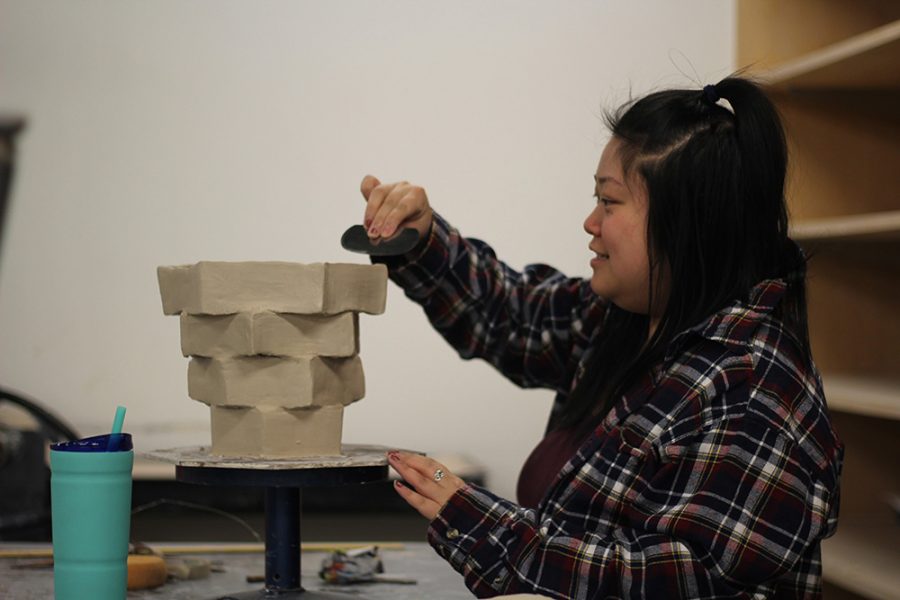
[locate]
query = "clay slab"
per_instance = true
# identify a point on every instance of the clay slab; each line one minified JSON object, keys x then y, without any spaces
{"x":268,"y":333}
{"x":296,"y":382}
{"x":269,"y":431}
{"x":219,"y":288}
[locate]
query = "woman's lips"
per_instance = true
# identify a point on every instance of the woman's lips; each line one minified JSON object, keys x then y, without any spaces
{"x":599,"y":258}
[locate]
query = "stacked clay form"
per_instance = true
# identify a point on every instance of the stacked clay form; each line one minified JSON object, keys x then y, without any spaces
{"x":274,"y":349}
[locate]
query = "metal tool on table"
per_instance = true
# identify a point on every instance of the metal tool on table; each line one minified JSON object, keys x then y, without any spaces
{"x":356,"y":239}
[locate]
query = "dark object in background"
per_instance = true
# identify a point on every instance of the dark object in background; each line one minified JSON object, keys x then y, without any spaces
{"x":25,"y":507}
{"x":9,"y":128}
{"x":24,"y":475}
{"x":24,"y":479}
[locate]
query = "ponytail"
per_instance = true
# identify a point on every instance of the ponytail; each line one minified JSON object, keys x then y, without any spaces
{"x":764,"y":157}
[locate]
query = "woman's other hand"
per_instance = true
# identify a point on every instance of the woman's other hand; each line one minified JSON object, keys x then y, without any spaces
{"x":432,"y":484}
{"x":390,"y":207}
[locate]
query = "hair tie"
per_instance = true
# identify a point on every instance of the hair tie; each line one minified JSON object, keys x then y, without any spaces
{"x":710,"y":93}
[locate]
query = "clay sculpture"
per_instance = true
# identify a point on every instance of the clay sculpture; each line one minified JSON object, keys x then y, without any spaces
{"x":274,"y":349}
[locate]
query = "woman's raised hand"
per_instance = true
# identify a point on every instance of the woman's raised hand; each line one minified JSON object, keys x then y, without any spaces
{"x":390,"y":207}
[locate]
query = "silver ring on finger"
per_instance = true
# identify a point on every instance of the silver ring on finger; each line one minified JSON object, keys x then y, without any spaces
{"x":439,"y":474}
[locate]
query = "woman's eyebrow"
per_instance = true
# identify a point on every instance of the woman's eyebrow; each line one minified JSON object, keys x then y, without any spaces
{"x":606,"y":179}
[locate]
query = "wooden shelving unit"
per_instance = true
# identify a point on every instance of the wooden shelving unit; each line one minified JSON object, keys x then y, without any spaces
{"x":864,"y":61}
{"x":856,"y":561}
{"x":833,"y":69}
{"x":863,"y":396}
{"x":873,"y":227}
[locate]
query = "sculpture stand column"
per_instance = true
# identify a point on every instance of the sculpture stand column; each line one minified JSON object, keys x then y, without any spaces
{"x":283,"y":480}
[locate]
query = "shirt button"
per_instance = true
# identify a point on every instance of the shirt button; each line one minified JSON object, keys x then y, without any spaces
{"x":452,"y":534}
{"x":498,"y":580}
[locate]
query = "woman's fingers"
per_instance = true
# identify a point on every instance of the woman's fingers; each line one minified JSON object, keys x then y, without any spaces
{"x":395,"y":207}
{"x":427,"y":508}
{"x":369,"y":183}
{"x":424,"y":467}
{"x":367,"y":186}
{"x":431,"y":483}
{"x":375,"y":208}
{"x":409,"y":474}
{"x":391,"y":206}
{"x":394,"y":212}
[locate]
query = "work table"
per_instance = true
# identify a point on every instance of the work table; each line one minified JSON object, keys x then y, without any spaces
{"x":435,"y":578}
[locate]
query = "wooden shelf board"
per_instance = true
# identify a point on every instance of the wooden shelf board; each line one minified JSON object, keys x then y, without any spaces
{"x":881,"y":226}
{"x":146,"y":469}
{"x":865,"y":61}
{"x":863,"y":396}
{"x":864,"y":559}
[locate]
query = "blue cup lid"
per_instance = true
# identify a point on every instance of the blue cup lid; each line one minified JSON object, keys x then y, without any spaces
{"x":108,"y":442}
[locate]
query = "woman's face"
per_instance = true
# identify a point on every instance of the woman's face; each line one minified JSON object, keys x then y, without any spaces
{"x":618,"y":230}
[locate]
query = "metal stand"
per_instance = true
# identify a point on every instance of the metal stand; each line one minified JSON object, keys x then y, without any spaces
{"x":283,"y":539}
{"x":283,"y":480}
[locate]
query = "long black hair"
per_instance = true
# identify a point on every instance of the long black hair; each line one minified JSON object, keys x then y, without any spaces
{"x":717,"y":225}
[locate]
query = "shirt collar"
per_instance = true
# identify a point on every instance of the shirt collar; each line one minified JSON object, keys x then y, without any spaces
{"x":735,"y":324}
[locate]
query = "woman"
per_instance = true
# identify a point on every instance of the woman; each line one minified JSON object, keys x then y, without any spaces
{"x":690,"y":452}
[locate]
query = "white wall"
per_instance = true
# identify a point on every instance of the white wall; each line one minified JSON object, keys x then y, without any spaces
{"x":169,"y":132}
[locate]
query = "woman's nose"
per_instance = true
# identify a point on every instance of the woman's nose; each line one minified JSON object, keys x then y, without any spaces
{"x":593,"y":222}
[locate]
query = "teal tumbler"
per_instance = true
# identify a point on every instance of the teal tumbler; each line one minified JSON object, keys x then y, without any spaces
{"x":90,"y":498}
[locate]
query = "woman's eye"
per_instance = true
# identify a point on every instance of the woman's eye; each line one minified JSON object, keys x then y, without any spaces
{"x":606,"y":202}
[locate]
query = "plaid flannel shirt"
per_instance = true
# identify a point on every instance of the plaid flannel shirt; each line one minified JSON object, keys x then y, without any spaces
{"x":716,"y":477}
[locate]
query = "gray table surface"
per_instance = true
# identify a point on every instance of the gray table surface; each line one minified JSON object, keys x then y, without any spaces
{"x":435,"y":578}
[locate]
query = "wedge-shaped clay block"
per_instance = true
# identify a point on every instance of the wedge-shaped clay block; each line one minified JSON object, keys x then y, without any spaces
{"x":220,"y":288}
{"x":268,"y":333}
{"x":274,"y":432}
{"x":268,"y":381}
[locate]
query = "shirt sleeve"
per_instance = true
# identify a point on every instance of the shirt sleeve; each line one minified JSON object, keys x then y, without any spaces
{"x":532,"y":326}
{"x":728,"y":512}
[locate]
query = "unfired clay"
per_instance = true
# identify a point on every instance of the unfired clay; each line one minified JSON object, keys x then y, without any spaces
{"x":218,"y":288}
{"x":270,"y":431}
{"x":269,"y":381}
{"x":269,"y":333}
{"x":275,"y":349}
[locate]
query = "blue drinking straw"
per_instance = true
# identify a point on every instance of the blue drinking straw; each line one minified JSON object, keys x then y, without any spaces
{"x":116,"y":429}
{"x":120,"y":418}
